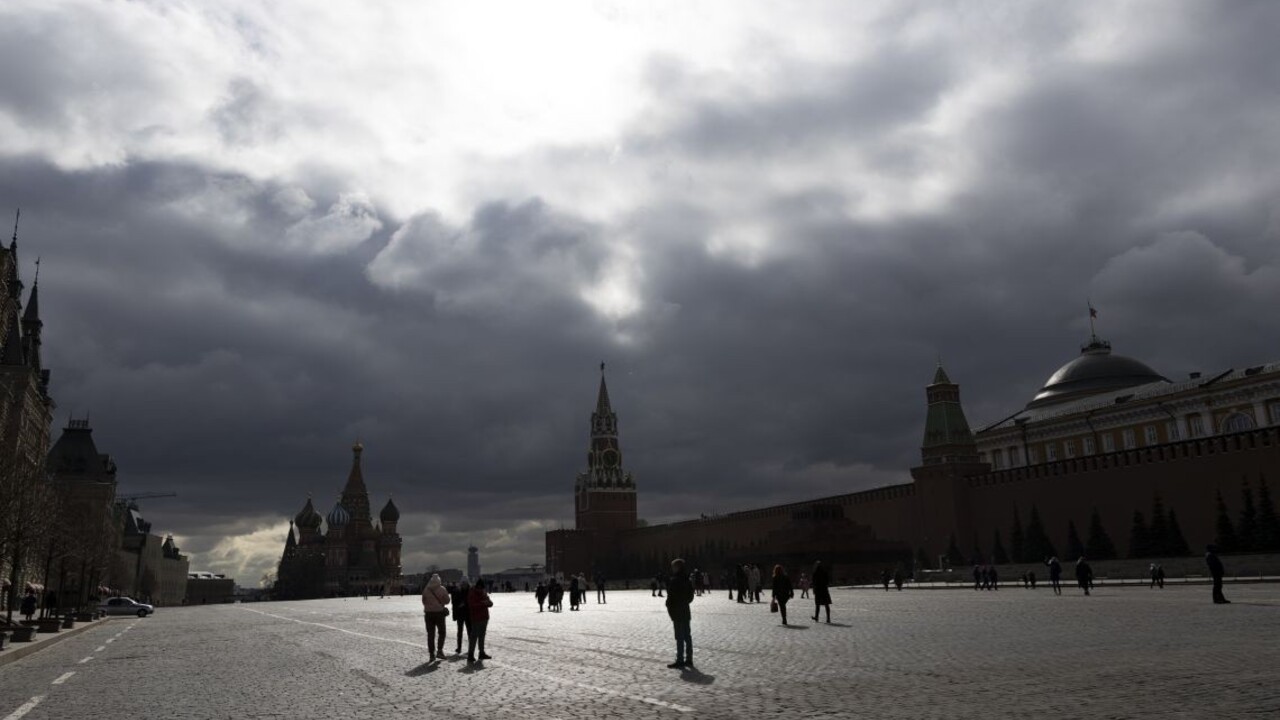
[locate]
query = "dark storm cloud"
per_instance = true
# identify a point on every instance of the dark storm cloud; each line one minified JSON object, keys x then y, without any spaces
{"x":233,"y":335}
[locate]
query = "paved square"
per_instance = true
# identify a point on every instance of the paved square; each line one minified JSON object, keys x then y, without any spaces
{"x":1121,"y":653}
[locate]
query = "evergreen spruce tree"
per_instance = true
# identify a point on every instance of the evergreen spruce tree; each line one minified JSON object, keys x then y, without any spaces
{"x":954,"y":556}
{"x":1225,"y":532}
{"x":1017,"y":541}
{"x":1177,"y":541}
{"x":1037,"y":545}
{"x":998,"y":555}
{"x":1158,"y":530}
{"x":1139,"y":546}
{"x":1247,"y":528}
{"x":1099,"y":545}
{"x":922,"y":560}
{"x":1268,"y":523}
{"x":1075,"y":548}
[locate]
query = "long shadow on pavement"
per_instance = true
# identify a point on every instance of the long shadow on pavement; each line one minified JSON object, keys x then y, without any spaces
{"x":696,"y":676}
{"x":794,"y":627}
{"x":423,"y":669}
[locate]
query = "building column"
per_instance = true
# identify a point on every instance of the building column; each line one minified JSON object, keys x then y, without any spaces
{"x":1260,"y":418}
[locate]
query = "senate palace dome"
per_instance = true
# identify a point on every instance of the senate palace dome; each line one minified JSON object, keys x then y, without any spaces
{"x":1095,"y":371}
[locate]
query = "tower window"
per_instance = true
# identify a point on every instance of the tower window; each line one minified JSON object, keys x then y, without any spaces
{"x":1130,"y":441}
{"x":1108,"y":443}
{"x":1069,"y":449}
{"x":1237,"y":422}
{"x":1171,"y":431}
{"x":1088,"y":446}
{"x":997,"y":459}
{"x":1275,"y":413}
{"x":1195,"y":426}
{"x":1050,"y":452}
{"x":1153,"y":437}
{"x":1015,"y":456}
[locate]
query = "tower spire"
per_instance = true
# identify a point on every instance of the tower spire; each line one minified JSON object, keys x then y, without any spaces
{"x":603,"y":408}
{"x":16,"y":215}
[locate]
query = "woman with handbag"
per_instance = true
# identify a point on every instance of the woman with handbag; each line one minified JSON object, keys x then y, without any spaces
{"x":435,"y":608}
{"x":782,"y":592}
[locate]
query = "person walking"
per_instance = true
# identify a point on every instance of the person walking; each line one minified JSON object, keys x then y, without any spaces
{"x":461,"y":613}
{"x":28,"y":607}
{"x":1160,"y":576}
{"x":478,"y":604}
{"x":600,"y":595}
{"x":1084,"y":575}
{"x":582,"y":588}
{"x":435,"y":608}
{"x":1055,"y":574}
{"x":804,"y":585}
{"x":743,"y":579}
{"x":1217,"y":571}
{"x":573,"y":592}
{"x":1152,"y":571}
{"x":977,"y":578}
{"x":757,"y":583}
{"x":898,"y":578}
{"x":821,"y":590}
{"x":679,"y":597}
{"x":540,"y":592}
{"x":995,"y":578}
{"x":782,"y":591}
{"x":884,"y":579}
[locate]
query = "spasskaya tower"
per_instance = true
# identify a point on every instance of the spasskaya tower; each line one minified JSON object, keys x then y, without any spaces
{"x":605,"y":494}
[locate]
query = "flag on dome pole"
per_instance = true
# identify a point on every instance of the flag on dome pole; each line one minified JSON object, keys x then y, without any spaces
{"x":1093,"y":314}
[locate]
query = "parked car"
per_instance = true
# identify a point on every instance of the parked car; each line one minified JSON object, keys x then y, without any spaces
{"x":125,"y":606}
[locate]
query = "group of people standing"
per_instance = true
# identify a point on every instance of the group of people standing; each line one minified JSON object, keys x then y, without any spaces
{"x":470,"y":608}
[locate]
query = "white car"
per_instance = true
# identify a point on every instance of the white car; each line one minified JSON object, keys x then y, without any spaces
{"x":125,"y":606}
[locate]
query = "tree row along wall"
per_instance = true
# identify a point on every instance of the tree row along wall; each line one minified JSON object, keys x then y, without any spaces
{"x":890,"y":512}
{"x":1186,"y":475}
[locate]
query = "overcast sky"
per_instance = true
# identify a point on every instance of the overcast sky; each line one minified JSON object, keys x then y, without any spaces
{"x":268,"y":231}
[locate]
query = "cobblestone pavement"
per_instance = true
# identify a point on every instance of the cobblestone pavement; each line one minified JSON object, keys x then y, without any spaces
{"x":949,"y":654}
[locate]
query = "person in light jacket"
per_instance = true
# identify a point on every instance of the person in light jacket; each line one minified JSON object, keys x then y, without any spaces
{"x":435,"y":608}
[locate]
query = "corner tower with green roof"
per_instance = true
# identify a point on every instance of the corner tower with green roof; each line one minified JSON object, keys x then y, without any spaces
{"x":947,"y":437}
{"x":949,"y":455}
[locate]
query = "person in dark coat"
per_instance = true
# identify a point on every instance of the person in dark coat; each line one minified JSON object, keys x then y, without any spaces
{"x":478,"y":604}
{"x":573,"y":592}
{"x":1084,"y":575}
{"x":1055,"y":574}
{"x":884,"y":579}
{"x":782,"y":590}
{"x":741,"y":577}
{"x":540,"y":593}
{"x":600,"y":594}
{"x":898,"y":579}
{"x":1217,"y":571}
{"x":458,"y":598}
{"x":29,"y":603}
{"x":977,"y":578}
{"x":995,"y":578}
{"x":679,"y":597}
{"x":821,"y":590}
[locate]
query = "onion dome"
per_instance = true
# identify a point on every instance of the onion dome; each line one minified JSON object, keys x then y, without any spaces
{"x":1095,"y":371}
{"x":390,"y":513}
{"x":307,"y":517}
{"x":338,"y":516}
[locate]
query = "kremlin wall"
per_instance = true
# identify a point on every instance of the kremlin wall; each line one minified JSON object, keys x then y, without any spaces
{"x":1105,"y":439}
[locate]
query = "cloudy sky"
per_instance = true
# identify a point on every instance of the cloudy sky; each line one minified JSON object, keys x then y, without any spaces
{"x":270,"y":229}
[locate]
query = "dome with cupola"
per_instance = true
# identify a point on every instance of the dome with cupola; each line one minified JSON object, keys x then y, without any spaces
{"x":1096,"y":371}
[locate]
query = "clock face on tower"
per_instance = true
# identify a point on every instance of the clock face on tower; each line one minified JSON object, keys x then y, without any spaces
{"x":610,"y":458}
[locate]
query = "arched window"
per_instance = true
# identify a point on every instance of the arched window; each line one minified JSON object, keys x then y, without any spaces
{"x":1237,"y":422}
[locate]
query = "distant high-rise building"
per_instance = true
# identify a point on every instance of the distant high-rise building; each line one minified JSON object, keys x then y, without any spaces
{"x":473,"y":562}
